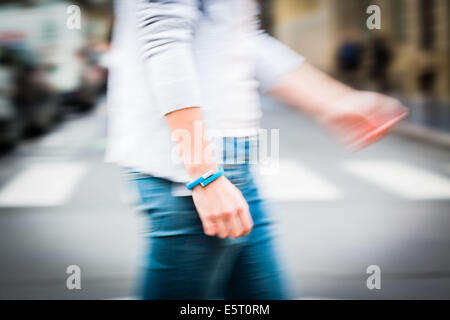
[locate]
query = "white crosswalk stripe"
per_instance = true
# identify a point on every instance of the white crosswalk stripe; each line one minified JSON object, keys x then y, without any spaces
{"x":401,"y":179}
{"x":52,"y":184}
{"x":293,"y":181}
{"x":42,"y":184}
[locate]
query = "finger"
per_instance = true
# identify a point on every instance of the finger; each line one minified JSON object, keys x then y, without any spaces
{"x":377,"y":133}
{"x":350,"y":127}
{"x":394,"y":108}
{"x":365,"y":142}
{"x":236,"y":227}
{"x":222,"y":229}
{"x":209,"y":226}
{"x":246,"y":221}
{"x":388,"y":110}
{"x":356,"y":132}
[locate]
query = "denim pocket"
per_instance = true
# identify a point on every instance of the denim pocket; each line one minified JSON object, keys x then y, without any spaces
{"x":167,"y":215}
{"x":153,"y":193}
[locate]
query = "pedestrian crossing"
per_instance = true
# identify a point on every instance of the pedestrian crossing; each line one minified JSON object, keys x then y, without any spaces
{"x":403,"y":180}
{"x":45,"y":184}
{"x":296,"y":182}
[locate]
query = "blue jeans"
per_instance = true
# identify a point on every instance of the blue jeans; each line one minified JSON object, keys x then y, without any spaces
{"x":181,"y":262}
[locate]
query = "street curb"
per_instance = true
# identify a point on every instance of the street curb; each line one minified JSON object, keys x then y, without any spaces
{"x":423,"y":133}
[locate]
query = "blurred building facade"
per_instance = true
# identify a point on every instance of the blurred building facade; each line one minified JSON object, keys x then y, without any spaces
{"x":412,"y":44}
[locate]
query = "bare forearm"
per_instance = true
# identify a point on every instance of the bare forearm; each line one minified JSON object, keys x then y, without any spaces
{"x":189,"y":133}
{"x":310,"y":90}
{"x":222,"y":208}
{"x":356,"y":118}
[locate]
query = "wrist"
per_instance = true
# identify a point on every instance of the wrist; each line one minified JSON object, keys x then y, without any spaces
{"x":195,"y":171}
{"x":205,"y":179}
{"x":200,"y":189}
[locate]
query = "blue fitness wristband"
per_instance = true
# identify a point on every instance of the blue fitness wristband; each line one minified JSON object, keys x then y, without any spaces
{"x":205,"y":179}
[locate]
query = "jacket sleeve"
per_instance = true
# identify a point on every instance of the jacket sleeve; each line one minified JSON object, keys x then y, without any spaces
{"x":165,"y":30}
{"x":273,"y":60}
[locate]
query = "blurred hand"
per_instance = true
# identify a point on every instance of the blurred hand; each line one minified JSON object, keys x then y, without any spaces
{"x":222,"y":209}
{"x":360,"y":118}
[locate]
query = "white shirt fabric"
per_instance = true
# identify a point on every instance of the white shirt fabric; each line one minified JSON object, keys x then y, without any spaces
{"x":169,"y":55}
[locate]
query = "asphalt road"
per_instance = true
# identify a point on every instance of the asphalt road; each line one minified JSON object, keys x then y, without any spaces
{"x":337,"y":213}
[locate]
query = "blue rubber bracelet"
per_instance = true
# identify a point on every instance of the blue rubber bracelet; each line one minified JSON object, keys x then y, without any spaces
{"x":193,"y":184}
{"x":212,"y":178}
{"x":205,"y":179}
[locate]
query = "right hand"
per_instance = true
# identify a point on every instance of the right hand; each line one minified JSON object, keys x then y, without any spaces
{"x":360,"y":118}
{"x":222,"y":208}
